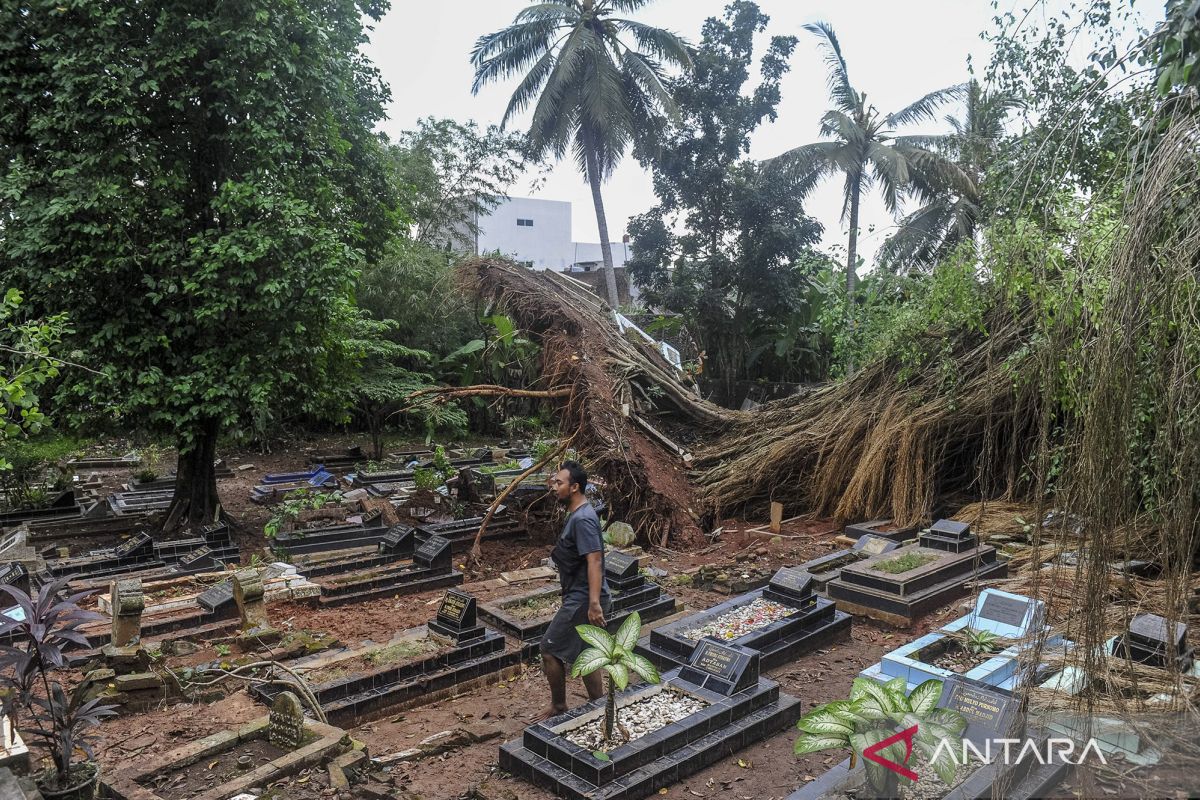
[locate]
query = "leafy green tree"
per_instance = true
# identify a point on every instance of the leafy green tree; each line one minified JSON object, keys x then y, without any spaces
{"x":876,"y":711}
{"x":728,"y":246}
{"x":590,"y":90}
{"x":26,"y":365}
{"x":864,"y":148}
{"x":614,"y":655}
{"x":456,"y":174}
{"x":953,"y":213}
{"x":195,"y":184}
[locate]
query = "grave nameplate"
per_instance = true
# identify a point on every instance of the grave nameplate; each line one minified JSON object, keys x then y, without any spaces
{"x":12,"y":574}
{"x":434,"y":552}
{"x":792,"y":582}
{"x":1154,"y":632}
{"x":197,"y":556}
{"x":457,"y":610}
{"x":138,"y":545}
{"x":216,"y":596}
{"x":722,"y":668}
{"x":397,"y":541}
{"x":1005,"y":610}
{"x":285,"y":726}
{"x":620,"y":565}
{"x":874,"y":545}
{"x":950,"y":528}
{"x":988,"y":710}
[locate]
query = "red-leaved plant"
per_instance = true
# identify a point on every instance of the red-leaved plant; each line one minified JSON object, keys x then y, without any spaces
{"x":33,"y":701}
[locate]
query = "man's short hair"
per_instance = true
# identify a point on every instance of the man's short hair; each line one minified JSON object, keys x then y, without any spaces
{"x":576,"y":473}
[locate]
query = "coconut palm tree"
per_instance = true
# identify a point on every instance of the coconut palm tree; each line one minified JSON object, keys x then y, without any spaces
{"x":953,"y":214}
{"x":594,"y":80}
{"x":864,"y":148}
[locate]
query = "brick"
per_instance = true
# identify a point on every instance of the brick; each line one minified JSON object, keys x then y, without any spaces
{"x":138,"y":680}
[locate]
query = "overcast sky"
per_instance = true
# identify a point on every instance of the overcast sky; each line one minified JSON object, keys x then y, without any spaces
{"x":896,"y":52}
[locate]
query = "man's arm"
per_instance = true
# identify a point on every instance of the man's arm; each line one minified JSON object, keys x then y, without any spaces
{"x":595,"y":569}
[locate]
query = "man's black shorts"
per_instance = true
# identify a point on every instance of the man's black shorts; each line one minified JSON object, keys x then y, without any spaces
{"x":561,"y":640}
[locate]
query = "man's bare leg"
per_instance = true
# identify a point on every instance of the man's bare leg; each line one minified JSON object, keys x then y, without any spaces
{"x":594,"y":683}
{"x":557,"y":678}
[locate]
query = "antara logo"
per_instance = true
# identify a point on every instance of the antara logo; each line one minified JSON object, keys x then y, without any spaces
{"x":1053,"y":751}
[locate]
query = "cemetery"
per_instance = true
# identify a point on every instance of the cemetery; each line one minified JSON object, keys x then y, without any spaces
{"x":331,"y":468}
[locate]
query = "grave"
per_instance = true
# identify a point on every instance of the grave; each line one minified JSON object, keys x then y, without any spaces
{"x":461,"y":532}
{"x":901,"y":585}
{"x":127,"y":606}
{"x":129,"y":460}
{"x":355,"y":685}
{"x":256,"y":629}
{"x":367,"y":533}
{"x":396,"y":544}
{"x":992,"y":716}
{"x":828,"y":567}
{"x":526,"y":616}
{"x":781,"y":621}
{"x":736,"y":707}
{"x":14,"y":574}
{"x":64,"y":506}
{"x":207,"y":769}
{"x":881,"y":527}
{"x":267,"y":493}
{"x":1014,"y":619}
{"x":1157,"y":642}
{"x":431,"y":568}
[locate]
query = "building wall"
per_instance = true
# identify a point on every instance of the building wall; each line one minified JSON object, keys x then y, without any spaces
{"x":546,"y":242}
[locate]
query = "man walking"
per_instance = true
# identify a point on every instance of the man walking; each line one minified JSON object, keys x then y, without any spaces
{"x":579,"y":556}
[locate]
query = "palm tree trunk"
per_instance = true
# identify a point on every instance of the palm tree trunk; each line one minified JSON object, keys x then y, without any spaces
{"x":852,"y":250}
{"x":593,"y":176}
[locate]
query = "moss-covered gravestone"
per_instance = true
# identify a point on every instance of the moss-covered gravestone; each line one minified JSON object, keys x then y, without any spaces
{"x":128,"y":602}
{"x":248,"y":594}
{"x":286,"y":726}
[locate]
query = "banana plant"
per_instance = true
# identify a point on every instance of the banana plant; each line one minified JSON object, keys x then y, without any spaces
{"x":613,"y":654}
{"x":876,"y":711}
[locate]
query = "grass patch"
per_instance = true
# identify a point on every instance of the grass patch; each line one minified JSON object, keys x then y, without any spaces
{"x":401,"y":651}
{"x":535,"y":606}
{"x":904,"y":563}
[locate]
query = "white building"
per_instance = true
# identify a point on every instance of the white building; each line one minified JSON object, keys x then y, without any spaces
{"x":537,"y":233}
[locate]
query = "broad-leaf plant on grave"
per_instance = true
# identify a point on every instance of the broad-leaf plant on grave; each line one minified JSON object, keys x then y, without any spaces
{"x":37,"y":704}
{"x":876,"y":711}
{"x":980,"y":642}
{"x":196,"y":187}
{"x":613,"y":654}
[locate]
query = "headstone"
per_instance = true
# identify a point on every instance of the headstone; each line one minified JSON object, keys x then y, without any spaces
{"x":873,"y":545}
{"x":199,"y":558}
{"x":14,"y":574}
{"x":950,"y":536}
{"x":989,"y":711}
{"x":793,"y":583}
{"x":457,"y":619}
{"x":128,"y":602}
{"x":1154,"y":640}
{"x":216,"y":597}
{"x":1007,"y":615}
{"x":136,"y":547}
{"x":285,"y":726}
{"x":216,"y":535}
{"x":434,"y":553}
{"x":776,"y":517}
{"x":722,"y":668}
{"x":619,"y":565}
{"x":248,"y":594}
{"x":398,"y":541}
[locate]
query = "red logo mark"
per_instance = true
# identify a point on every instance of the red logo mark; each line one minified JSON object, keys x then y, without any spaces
{"x":872,"y":753}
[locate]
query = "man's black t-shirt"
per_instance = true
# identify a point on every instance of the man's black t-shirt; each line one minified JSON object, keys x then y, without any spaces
{"x":580,"y":536}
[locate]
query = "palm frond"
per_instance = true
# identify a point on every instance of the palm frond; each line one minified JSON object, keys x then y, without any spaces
{"x":890,"y":170}
{"x":666,"y":46}
{"x":843,"y":94}
{"x":925,"y":108}
{"x":564,"y":12}
{"x":646,"y":90}
{"x":556,"y":111}
{"x":835,"y":123}
{"x":623,"y":6}
{"x":529,"y":87}
{"x":510,"y":51}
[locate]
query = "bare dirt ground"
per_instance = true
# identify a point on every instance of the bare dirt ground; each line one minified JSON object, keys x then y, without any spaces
{"x":500,"y":710}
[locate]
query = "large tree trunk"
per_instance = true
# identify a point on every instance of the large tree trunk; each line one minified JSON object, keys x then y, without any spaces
{"x":195,"y":502}
{"x":593,"y":176}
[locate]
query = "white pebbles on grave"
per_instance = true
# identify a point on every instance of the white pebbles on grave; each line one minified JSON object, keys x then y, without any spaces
{"x":740,"y":621}
{"x":639,"y":718}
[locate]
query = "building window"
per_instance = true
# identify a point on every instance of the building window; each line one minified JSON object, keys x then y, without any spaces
{"x":524,"y":223}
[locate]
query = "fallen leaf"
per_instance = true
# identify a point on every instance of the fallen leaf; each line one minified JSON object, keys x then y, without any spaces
{"x":744,"y":764}
{"x":213,"y":764}
{"x":303,"y":780}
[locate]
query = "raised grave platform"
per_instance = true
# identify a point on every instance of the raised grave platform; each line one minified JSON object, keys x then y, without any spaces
{"x":526,"y":616}
{"x":430,"y":568}
{"x":828,"y":567}
{"x":451,"y":651}
{"x":946,"y":558}
{"x":737,"y":708}
{"x":782,"y":621}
